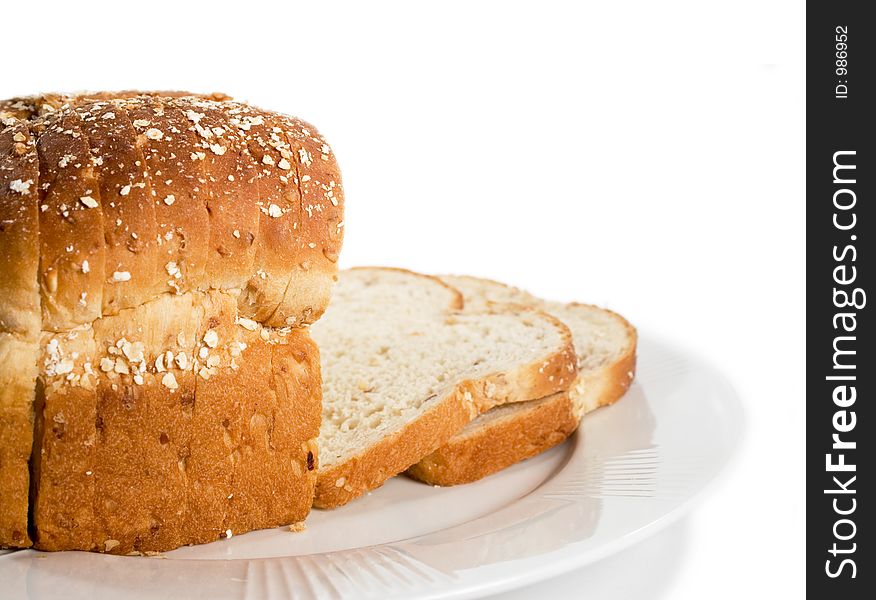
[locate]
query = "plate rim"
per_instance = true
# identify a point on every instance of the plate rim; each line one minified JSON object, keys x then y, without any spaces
{"x":546,"y":565}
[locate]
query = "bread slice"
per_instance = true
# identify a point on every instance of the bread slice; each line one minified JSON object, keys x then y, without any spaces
{"x":605,"y":344}
{"x":498,"y":439}
{"x":404,"y":369}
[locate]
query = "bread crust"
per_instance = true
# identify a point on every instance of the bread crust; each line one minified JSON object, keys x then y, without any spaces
{"x":232,"y":194}
{"x":129,"y":223}
{"x":71,"y":234}
{"x":17,"y":379}
{"x":144,"y":429}
{"x":280,"y":207}
{"x":31,"y":107}
{"x":65,"y":437}
{"x":320,"y":192}
{"x":19,"y":226}
{"x":534,"y":427}
{"x":127,"y":466}
{"x":174,"y":164}
{"x":285,"y":270}
{"x":603,"y":386}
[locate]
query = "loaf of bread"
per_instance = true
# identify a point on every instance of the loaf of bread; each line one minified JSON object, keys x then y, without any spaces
{"x":161,"y":253}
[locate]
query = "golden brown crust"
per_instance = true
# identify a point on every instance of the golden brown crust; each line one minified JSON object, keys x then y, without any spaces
{"x":71,"y":238}
{"x":285,"y":268}
{"x":175,"y":166}
{"x":31,"y":107}
{"x":276,"y":474}
{"x":280,"y":205}
{"x":129,"y":224}
{"x":144,"y":429}
{"x":18,"y":372}
{"x":64,"y":448}
{"x":300,"y":226}
{"x":605,"y":385}
{"x":19,"y":228}
{"x":321,"y":216}
{"x":233,"y":193}
{"x":532,"y":428}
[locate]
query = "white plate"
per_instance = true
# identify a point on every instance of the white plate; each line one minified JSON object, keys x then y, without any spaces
{"x":633,"y":468}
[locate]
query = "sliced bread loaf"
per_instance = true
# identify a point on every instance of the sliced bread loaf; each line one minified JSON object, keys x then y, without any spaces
{"x":605,"y":344}
{"x":404,"y":369}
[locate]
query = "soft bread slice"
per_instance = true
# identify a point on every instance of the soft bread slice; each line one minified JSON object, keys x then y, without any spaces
{"x":498,"y":439}
{"x":404,"y":369}
{"x":605,"y":344}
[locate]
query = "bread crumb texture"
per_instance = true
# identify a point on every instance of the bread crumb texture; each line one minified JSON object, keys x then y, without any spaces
{"x":605,"y":342}
{"x":405,"y":368}
{"x":605,"y":347}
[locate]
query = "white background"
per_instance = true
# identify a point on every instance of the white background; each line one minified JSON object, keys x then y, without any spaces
{"x":643,"y":155}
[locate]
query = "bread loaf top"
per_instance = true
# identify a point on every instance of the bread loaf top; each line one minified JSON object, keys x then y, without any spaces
{"x":19,"y":231}
{"x":144,"y":193}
